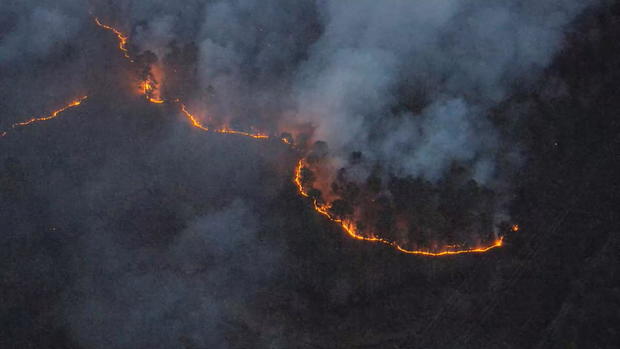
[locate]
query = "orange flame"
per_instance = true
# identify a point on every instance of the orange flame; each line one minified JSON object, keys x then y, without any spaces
{"x":147,"y":87}
{"x":149,"y":91}
{"x":351,"y":230}
{"x":122,"y":38}
{"x":156,"y":100}
{"x":151,"y":85}
{"x":50,"y":116}
{"x":192,"y":119}
{"x":227,"y":130}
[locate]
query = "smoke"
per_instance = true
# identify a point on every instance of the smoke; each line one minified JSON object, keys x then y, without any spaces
{"x":129,"y":229}
{"x":185,"y":296}
{"x":248,"y":54}
{"x":31,"y":30}
{"x":50,"y":27}
{"x":411,"y":85}
{"x":40,"y":60}
{"x":398,"y":90}
{"x":156,"y":36}
{"x":451,"y":60}
{"x":363,"y":74}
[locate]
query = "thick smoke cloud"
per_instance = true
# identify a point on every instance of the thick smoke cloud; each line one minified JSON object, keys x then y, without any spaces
{"x":453,"y":59}
{"x":409,"y":84}
{"x":248,"y":54}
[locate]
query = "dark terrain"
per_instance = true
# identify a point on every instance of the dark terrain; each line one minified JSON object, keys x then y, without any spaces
{"x":123,"y":227}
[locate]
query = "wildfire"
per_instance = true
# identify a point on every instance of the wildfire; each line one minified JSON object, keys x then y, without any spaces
{"x":156,"y":100}
{"x":146,"y":87}
{"x":192,"y":119}
{"x":149,"y":88}
{"x":122,"y":38}
{"x":351,"y":230}
{"x":227,"y":130}
{"x":152,"y":83}
{"x":50,"y":116}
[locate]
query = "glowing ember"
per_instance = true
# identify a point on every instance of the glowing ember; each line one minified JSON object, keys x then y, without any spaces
{"x":515,"y":228}
{"x":152,"y":83}
{"x":149,"y":90}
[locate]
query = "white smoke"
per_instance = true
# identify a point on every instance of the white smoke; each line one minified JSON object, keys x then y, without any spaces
{"x":459,"y":57}
{"x":353,"y":69}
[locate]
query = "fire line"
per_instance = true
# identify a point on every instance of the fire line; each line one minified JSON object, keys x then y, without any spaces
{"x":148,"y":88}
{"x":351,"y":230}
{"x":122,"y":38}
{"x":50,"y":116}
{"x":192,"y":119}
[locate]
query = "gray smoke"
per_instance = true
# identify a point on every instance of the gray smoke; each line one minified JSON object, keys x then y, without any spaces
{"x":249,"y":52}
{"x":185,"y":296}
{"x":33,"y":29}
{"x":409,"y":84}
{"x":454,"y":59}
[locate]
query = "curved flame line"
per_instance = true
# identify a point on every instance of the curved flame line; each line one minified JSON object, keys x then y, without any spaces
{"x":351,"y":230}
{"x":122,"y":38}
